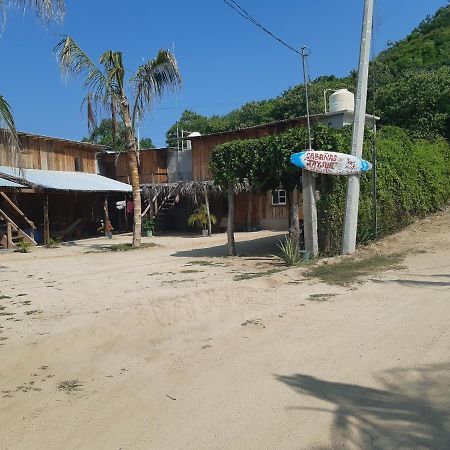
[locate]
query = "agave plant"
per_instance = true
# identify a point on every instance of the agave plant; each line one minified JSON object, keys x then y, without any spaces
{"x":290,"y":253}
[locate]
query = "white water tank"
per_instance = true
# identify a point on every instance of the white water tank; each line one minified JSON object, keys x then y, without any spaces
{"x":188,"y":141}
{"x":341,"y":100}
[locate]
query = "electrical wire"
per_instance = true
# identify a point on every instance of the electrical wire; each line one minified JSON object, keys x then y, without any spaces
{"x":243,"y":13}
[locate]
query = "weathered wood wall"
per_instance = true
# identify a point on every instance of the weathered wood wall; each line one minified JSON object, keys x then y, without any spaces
{"x":152,"y":168}
{"x":51,"y":154}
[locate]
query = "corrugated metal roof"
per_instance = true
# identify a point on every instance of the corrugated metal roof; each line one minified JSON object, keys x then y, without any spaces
{"x":9,"y":184}
{"x":65,"y":181}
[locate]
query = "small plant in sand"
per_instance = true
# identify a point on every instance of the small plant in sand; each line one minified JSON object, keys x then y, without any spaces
{"x":53,"y":243}
{"x":200,"y":217}
{"x":290,"y":253}
{"x":148,"y":226}
{"x":23,"y":246}
{"x":69,"y":386}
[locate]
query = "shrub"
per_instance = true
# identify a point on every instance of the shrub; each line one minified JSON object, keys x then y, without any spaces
{"x":290,"y":252}
{"x":412,"y":177}
{"x":23,"y":246}
{"x":200,"y":217}
{"x":53,"y":243}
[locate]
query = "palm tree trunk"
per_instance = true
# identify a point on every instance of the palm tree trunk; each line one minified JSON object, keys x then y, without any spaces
{"x":130,"y":144}
{"x":230,"y":225}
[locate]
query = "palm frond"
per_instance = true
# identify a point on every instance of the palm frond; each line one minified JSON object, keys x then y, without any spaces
{"x":9,"y":132}
{"x":73,"y":60}
{"x":46,"y":10}
{"x":153,"y":79}
{"x":6,"y":117}
{"x":112,"y":61}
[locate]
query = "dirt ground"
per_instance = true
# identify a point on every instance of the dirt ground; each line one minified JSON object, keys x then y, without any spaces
{"x":177,"y":347}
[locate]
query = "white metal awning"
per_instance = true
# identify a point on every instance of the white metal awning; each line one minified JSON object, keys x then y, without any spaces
{"x":60,"y":181}
{"x":9,"y":184}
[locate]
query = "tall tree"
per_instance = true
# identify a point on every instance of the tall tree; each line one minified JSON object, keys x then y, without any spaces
{"x":45,"y":10}
{"x":106,"y":89}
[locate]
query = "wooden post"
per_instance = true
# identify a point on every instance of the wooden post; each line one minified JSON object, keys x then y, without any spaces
{"x":46,"y":221}
{"x":207,"y":210}
{"x":230,"y":224}
{"x":107,"y":223}
{"x":249,"y":210}
{"x":9,"y":241}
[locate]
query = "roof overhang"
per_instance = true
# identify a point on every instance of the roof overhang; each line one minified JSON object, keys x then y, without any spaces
{"x":59,"y":180}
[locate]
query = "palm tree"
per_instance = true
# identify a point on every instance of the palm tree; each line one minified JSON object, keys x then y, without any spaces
{"x":106,"y":89}
{"x":45,"y":10}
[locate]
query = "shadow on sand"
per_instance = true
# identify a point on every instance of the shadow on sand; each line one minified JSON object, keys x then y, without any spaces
{"x":266,"y":246}
{"x":410,"y":411}
{"x":415,"y":283}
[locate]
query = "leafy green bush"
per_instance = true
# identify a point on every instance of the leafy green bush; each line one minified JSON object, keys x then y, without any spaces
{"x":23,"y":246}
{"x":53,"y":243}
{"x":412,"y":181}
{"x":412,"y":176}
{"x":200,"y":217}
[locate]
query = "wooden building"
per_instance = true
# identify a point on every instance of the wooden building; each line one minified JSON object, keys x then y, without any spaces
{"x":55,"y":193}
{"x":152,"y":165}
{"x":269,"y":210}
{"x":48,"y":153}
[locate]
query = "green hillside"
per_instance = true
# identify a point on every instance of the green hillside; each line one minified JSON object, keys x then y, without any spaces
{"x":409,"y":87}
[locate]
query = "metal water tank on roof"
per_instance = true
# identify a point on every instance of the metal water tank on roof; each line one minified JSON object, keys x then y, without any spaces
{"x":342,"y":100}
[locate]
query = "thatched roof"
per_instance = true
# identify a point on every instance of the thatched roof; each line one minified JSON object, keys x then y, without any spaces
{"x":191,"y":189}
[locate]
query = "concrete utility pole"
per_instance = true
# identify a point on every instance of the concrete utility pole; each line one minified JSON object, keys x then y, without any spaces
{"x":309,"y":182}
{"x":352,"y":203}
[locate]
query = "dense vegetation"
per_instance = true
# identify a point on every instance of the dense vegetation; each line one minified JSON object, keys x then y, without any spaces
{"x":412,"y":177}
{"x":103,"y":135}
{"x":409,"y":87}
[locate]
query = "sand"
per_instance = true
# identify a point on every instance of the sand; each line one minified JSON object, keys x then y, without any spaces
{"x":166,"y":348}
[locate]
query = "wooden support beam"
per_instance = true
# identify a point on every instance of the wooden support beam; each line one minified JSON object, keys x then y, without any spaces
{"x":9,"y":241}
{"x":46,"y":221}
{"x":18,"y":211}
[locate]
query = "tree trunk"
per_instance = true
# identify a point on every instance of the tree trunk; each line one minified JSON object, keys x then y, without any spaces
{"x":230,"y":225}
{"x":249,"y":210}
{"x":207,"y":210}
{"x":130,"y":144}
{"x":289,"y":203}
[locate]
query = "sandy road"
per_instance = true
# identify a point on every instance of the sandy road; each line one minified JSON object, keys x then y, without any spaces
{"x":153,"y":353}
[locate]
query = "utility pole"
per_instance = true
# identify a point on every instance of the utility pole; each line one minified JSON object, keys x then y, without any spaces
{"x":309,"y":182}
{"x":352,"y":202}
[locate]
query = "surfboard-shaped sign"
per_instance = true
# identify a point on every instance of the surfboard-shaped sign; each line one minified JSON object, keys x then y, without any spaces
{"x":330,"y":163}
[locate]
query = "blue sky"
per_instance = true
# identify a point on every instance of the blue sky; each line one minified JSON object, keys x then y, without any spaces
{"x":224,"y":60}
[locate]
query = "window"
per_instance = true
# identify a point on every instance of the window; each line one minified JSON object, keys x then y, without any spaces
{"x":279,"y":197}
{"x":78,"y":165}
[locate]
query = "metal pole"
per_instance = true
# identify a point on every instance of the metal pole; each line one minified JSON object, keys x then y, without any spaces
{"x":309,"y":182}
{"x":352,"y":202}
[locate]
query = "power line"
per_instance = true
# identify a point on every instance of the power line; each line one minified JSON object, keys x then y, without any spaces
{"x":243,"y":13}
